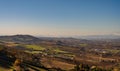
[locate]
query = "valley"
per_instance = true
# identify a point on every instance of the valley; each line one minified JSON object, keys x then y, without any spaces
{"x":58,"y":54}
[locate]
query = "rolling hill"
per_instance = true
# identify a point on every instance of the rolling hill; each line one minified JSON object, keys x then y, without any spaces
{"x":20,"y":39}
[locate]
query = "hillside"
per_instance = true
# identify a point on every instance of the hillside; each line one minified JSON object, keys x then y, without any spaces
{"x":20,"y":39}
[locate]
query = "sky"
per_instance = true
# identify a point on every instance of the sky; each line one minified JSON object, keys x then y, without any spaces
{"x":60,"y":17}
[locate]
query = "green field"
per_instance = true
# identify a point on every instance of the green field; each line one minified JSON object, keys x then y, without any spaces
{"x":114,"y":51}
{"x":34,"y":47}
{"x":59,"y":51}
{"x":83,"y":45}
{"x":33,"y":52}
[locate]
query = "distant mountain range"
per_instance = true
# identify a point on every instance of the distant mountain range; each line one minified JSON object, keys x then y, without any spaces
{"x":100,"y":37}
{"x":28,"y":39}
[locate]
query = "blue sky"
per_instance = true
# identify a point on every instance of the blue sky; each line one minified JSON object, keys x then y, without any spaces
{"x":59,"y":17}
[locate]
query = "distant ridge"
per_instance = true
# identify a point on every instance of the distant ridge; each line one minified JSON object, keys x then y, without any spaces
{"x":20,"y":39}
{"x":101,"y":37}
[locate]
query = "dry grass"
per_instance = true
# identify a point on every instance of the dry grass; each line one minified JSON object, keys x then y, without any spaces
{"x":62,"y":65}
{"x":4,"y":69}
{"x":56,"y":64}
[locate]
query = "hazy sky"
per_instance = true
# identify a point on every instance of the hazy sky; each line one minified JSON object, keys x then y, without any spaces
{"x":59,"y":17}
